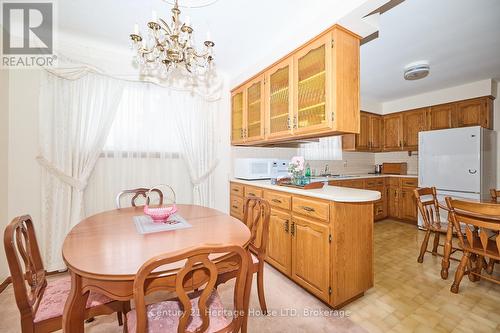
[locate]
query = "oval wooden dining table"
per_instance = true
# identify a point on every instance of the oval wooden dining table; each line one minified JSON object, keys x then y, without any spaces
{"x":104,"y":252}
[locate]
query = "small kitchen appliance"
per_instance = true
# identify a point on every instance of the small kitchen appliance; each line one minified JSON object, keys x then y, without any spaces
{"x":260,"y":168}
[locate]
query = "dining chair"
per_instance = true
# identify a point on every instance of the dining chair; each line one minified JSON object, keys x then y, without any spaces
{"x":482,"y":239}
{"x":137,"y":193}
{"x":256,"y":216}
{"x":428,"y":207}
{"x":495,"y":194}
{"x":198,"y":306}
{"x":41,"y":302}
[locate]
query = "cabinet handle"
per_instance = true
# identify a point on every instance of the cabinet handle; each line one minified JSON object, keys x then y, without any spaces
{"x":295,"y":122}
{"x":400,"y":144}
{"x":250,"y":194}
{"x":287,"y":226}
{"x":308,"y":209}
{"x":235,"y":190}
{"x":235,"y":207}
{"x":277,"y":201}
{"x":288,"y":122}
{"x":292,"y":231}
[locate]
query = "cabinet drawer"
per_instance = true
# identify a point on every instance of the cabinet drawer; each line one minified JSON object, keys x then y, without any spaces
{"x":236,"y":189}
{"x":278,"y":200}
{"x":409,"y":182}
{"x":374,"y":182}
{"x":253,"y":192}
{"x":311,"y":208}
{"x":379,"y":210}
{"x":236,"y":207}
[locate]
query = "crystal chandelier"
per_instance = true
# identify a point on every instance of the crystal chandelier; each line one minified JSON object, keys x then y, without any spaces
{"x":170,"y":46}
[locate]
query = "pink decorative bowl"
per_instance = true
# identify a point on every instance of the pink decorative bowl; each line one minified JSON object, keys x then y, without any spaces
{"x":160,"y":214}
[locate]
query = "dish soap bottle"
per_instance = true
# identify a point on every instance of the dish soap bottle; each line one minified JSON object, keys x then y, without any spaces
{"x":308,"y":173}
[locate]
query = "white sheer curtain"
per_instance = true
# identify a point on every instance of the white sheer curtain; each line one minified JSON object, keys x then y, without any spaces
{"x":142,"y":149}
{"x":75,"y":119}
{"x":327,"y":149}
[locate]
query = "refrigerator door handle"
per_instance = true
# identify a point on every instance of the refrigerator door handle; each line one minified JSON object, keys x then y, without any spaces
{"x":472,"y":172}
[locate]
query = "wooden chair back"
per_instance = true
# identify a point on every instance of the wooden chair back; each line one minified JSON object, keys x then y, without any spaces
{"x":428,"y":205}
{"x":482,"y":224}
{"x":136,"y":194}
{"x":495,"y":194}
{"x":256,"y":216}
{"x":199,"y":272}
{"x":25,"y":265}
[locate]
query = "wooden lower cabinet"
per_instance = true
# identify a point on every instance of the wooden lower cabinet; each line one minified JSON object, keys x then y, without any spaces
{"x":279,"y":244}
{"x":310,"y":256}
{"x":325,"y":247}
{"x":408,"y":209}
{"x":393,"y":201}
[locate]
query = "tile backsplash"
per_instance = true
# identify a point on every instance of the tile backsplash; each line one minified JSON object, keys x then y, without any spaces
{"x":351,"y":163}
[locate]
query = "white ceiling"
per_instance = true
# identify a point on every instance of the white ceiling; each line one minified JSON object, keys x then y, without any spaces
{"x":248,"y":35}
{"x":460,"y":39}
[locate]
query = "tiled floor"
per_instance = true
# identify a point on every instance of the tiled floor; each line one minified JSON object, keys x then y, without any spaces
{"x":407,"y":297}
{"x":411,"y":297}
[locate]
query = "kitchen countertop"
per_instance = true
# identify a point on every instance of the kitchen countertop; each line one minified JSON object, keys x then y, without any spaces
{"x":331,"y":193}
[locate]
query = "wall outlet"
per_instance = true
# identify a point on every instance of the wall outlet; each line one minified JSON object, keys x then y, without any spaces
{"x":345,"y":163}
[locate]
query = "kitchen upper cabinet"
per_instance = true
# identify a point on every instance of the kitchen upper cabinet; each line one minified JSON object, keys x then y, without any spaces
{"x":313,"y":92}
{"x":279,"y":241}
{"x":313,"y":85}
{"x":393,"y":132}
{"x":474,"y":112}
{"x":413,"y":122}
{"x":279,"y":96}
{"x":441,"y":116}
{"x":254,"y":115}
{"x":376,"y":132}
{"x":237,"y":117}
{"x":310,"y":256}
{"x":369,"y":137}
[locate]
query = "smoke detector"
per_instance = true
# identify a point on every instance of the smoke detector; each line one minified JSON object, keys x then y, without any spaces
{"x":416,"y":70}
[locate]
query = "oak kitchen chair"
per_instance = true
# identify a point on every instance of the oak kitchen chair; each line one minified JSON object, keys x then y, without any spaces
{"x":41,"y":302}
{"x":257,"y":213}
{"x":428,"y":206}
{"x":204,"y":306}
{"x":137,"y":193}
{"x":482,"y":238}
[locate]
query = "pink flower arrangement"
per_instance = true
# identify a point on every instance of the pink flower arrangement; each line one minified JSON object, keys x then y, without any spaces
{"x":296,"y":164}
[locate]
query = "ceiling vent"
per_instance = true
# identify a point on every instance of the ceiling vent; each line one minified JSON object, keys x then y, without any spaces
{"x":417,"y":70}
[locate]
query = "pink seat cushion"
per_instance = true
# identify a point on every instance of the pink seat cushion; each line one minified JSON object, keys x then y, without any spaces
{"x":55,"y":295}
{"x":164,"y":316}
{"x":255,"y":260}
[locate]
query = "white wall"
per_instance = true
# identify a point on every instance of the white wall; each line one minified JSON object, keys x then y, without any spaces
{"x":465,"y":91}
{"x":4,"y":154}
{"x":496,"y":127}
{"x":24,"y":172}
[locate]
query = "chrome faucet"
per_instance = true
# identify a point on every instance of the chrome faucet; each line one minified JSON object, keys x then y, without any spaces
{"x":326,"y":170}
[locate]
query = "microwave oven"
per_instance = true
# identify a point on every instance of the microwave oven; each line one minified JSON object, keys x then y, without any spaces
{"x":259,"y":168}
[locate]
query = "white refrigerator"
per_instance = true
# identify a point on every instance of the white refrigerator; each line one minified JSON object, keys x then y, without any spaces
{"x":459,"y":162}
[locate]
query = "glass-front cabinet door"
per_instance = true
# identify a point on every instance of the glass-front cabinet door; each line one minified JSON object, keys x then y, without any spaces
{"x":279,"y":100}
{"x":254,"y":110}
{"x":313,"y":84}
{"x":237,"y":103}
